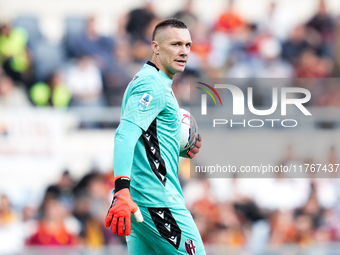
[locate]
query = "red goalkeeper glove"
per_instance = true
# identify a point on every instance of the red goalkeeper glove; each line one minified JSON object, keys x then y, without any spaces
{"x":119,"y":214}
{"x":194,"y":149}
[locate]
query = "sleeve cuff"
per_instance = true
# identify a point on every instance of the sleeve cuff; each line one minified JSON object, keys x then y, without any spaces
{"x":122,"y":182}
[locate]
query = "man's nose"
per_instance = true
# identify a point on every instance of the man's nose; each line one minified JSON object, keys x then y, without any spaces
{"x":184,"y":50}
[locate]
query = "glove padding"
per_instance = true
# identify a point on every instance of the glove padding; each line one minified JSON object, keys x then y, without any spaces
{"x":194,"y":149}
{"x":119,"y":214}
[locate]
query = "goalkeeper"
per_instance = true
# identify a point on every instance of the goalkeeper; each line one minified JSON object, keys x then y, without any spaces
{"x":146,"y":154}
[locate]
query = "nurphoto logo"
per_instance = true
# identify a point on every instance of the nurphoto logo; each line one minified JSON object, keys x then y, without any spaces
{"x":288,"y":96}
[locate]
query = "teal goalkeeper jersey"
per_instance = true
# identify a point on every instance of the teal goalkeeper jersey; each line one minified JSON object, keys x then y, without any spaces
{"x":149,"y":102}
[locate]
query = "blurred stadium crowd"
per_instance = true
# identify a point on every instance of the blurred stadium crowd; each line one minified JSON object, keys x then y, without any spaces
{"x":87,"y":69}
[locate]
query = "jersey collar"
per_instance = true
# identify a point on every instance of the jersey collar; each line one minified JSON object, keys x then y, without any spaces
{"x":160,"y":72}
{"x":152,"y":64}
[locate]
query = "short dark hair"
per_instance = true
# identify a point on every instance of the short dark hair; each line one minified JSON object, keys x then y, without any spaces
{"x":172,"y":22}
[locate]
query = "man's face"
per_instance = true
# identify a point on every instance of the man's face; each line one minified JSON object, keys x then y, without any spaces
{"x":172,"y":48}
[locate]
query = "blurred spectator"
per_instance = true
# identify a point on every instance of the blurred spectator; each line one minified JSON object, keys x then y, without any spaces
{"x":325,"y":192}
{"x":187,"y":15}
{"x":336,"y":43}
{"x":278,"y":21}
{"x":63,"y":190}
{"x":14,"y":55}
{"x":296,"y":43}
{"x":226,"y":237}
{"x":225,"y":32}
{"x":82,"y":213}
{"x":323,"y":23}
{"x":283,"y":228}
{"x":90,"y":210}
{"x":51,"y":228}
{"x":138,"y":22}
{"x":80,"y":187}
{"x":11,"y":233}
{"x":310,"y":65}
{"x":221,"y":45}
{"x":141,"y":51}
{"x":92,"y":232}
{"x":98,"y":47}
{"x":201,"y":47}
{"x":308,"y":218}
{"x":120,"y":72}
{"x":200,"y":37}
{"x":305,"y":230}
{"x":272,"y":66}
{"x":230,"y":21}
{"x":328,"y":95}
{"x":51,"y":93}
{"x":7,"y":215}
{"x":181,"y":86}
{"x":97,"y":193}
{"x":84,"y":80}
{"x":331,"y":224}
{"x":11,"y":95}
{"x":267,"y":65}
{"x":227,"y":231}
{"x":248,"y":41}
{"x":206,"y":207}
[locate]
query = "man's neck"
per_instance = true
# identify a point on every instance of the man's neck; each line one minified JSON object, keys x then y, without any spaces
{"x":158,"y":65}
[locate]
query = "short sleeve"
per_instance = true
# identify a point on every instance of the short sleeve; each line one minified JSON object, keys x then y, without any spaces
{"x":145,"y":101}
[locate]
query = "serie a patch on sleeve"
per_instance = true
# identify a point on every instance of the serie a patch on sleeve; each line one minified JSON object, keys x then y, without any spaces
{"x":144,"y":101}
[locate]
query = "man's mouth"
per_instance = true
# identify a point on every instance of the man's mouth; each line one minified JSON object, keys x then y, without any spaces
{"x":181,"y":62}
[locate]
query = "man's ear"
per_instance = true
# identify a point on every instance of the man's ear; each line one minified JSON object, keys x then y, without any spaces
{"x":155,"y":47}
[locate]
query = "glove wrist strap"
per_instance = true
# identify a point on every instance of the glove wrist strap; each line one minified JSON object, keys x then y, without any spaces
{"x":122,"y":182}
